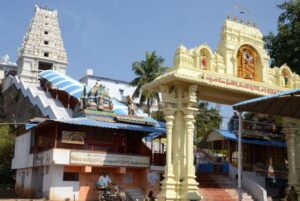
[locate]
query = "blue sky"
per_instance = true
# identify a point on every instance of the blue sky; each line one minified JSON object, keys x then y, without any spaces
{"x":109,"y":35}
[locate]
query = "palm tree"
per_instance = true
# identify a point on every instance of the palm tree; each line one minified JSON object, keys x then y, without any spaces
{"x":146,"y":71}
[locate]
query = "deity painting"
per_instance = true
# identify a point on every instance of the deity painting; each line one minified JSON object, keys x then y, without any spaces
{"x":247,"y":63}
{"x":203,"y":60}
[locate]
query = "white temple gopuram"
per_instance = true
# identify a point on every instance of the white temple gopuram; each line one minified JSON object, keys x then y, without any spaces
{"x":42,"y":47}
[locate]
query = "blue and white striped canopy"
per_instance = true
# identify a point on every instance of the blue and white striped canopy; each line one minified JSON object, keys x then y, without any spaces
{"x":63,"y":82}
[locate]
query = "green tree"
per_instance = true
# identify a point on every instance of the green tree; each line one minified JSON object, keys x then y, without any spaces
{"x":146,"y":71}
{"x":7,"y":143}
{"x":158,"y":115}
{"x":207,"y":119}
{"x":284,"y":47}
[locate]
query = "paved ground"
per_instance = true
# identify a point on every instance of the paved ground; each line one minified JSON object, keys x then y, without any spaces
{"x":18,"y":199}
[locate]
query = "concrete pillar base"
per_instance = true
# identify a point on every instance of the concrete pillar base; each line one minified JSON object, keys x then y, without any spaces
{"x":191,"y":196}
{"x":190,"y":189}
{"x":168,"y":190}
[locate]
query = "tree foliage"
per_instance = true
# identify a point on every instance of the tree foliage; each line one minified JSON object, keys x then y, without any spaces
{"x":7,"y":143}
{"x":146,"y":71}
{"x":158,"y":115}
{"x":284,"y":47}
{"x":207,"y":119}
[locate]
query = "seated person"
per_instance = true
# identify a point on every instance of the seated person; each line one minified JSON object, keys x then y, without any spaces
{"x":122,"y":194}
{"x":103,"y":181}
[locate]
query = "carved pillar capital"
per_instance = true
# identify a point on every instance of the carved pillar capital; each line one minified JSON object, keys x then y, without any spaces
{"x":167,"y":92}
{"x":190,"y":96}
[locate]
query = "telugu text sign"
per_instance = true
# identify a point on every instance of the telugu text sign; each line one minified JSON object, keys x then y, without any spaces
{"x":102,"y":159}
{"x":233,"y":83}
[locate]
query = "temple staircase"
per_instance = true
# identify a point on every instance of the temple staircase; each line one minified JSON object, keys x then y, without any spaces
{"x":135,"y":194}
{"x":49,"y":106}
{"x":214,"y":187}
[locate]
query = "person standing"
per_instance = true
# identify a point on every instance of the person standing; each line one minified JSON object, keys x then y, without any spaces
{"x":150,"y":196}
{"x":292,"y":195}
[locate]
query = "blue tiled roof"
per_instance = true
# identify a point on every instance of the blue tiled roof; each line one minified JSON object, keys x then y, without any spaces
{"x":63,"y":82}
{"x":284,"y":93}
{"x":111,"y":125}
{"x":231,"y":136}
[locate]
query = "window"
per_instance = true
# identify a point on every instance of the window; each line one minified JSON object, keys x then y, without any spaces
{"x":46,"y":23}
{"x":46,"y":42}
{"x":121,"y":92}
{"x":71,"y":176}
{"x":46,"y":54}
{"x":46,"y":32}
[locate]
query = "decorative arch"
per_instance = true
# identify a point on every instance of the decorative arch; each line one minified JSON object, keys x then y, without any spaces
{"x":247,"y":62}
{"x":76,"y":138}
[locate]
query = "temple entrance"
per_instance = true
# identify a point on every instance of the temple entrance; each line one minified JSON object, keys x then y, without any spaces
{"x":45,"y":66}
{"x":237,"y":71}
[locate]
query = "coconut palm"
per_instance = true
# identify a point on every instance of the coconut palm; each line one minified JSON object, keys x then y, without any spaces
{"x":146,"y":71}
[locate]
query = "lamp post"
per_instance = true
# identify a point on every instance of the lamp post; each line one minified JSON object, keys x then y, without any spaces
{"x":240,"y":156}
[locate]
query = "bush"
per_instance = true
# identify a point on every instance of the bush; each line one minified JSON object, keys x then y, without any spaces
{"x":7,"y":143}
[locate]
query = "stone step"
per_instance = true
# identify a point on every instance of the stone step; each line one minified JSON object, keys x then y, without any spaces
{"x":219,"y":188}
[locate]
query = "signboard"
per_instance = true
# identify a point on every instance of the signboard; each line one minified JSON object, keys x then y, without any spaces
{"x":241,"y":85}
{"x":72,"y":137}
{"x":103,"y":159}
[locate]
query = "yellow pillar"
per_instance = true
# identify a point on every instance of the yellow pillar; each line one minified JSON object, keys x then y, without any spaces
{"x":168,"y":191}
{"x":180,"y":133}
{"x":179,"y":109}
{"x":189,"y":184}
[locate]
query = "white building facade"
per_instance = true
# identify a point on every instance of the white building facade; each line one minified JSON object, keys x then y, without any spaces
{"x":42,"y":174}
{"x":118,"y":89}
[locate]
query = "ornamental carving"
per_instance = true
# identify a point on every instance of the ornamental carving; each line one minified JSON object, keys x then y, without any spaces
{"x":247,"y":63}
{"x":131,"y":106}
{"x":96,"y":98}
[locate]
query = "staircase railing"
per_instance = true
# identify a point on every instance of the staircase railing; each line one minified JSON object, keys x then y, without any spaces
{"x":253,"y":188}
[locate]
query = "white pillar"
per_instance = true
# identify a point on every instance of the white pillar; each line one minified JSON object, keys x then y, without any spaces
{"x":290,"y":132}
{"x":240,"y":155}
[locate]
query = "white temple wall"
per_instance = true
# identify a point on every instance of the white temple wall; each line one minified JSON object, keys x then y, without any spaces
{"x":21,"y":153}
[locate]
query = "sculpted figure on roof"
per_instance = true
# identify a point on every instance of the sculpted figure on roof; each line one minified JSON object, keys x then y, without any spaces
{"x":131,"y":106}
{"x":97,"y":98}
